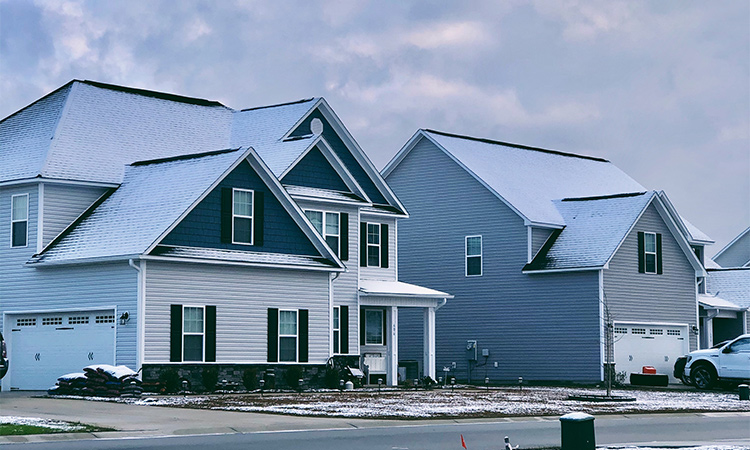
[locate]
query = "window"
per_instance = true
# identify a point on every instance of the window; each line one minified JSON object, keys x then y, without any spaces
{"x":19,"y":220}
{"x":287,"y":336}
{"x":649,"y":252}
{"x":374,"y":326}
{"x":673,"y":333}
{"x":373,"y":244}
{"x":242,"y":216}
{"x":78,"y":320}
{"x":336,"y":330}
{"x":327,"y":224}
{"x":192,"y":333}
{"x":473,"y":256}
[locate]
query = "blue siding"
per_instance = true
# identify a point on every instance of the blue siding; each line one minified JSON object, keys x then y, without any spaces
{"x":315,"y":171}
{"x":202,"y":226}
{"x":344,"y":154}
{"x":540,"y":327}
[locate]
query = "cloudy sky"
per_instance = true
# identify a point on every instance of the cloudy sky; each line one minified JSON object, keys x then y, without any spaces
{"x":660,"y":88}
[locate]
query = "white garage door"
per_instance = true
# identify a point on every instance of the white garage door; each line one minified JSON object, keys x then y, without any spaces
{"x":44,"y":346}
{"x":657,"y":345}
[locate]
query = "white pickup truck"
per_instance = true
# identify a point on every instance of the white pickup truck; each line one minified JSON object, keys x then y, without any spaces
{"x":727,"y":362}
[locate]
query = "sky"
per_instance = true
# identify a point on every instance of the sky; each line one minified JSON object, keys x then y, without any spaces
{"x":660,"y":88}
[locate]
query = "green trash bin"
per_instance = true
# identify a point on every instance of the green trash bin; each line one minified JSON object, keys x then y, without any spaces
{"x":577,"y":431}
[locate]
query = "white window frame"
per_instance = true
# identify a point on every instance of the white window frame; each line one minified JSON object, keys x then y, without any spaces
{"x":646,"y":253}
{"x":296,"y":336}
{"x":194,"y":333}
{"x":377,"y":246}
{"x":380,"y":322}
{"x":324,"y":223}
{"x":336,"y":330}
{"x":14,"y":221}
{"x":242,"y":216}
{"x":467,"y":256}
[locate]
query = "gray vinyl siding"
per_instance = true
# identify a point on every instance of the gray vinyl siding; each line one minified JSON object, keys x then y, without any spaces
{"x":37,"y":288}
{"x":242,"y":296}
{"x":538,"y":238}
{"x":62,"y":204}
{"x":738,"y":255}
{"x":540,"y":327}
{"x":639,"y":297}
{"x":379,"y":273}
{"x":346,"y":284}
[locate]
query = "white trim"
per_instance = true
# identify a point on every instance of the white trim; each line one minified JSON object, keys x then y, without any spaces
{"x":12,"y":221}
{"x":467,"y":256}
{"x":602,"y":327}
{"x":40,"y":218}
{"x":529,"y":235}
{"x":236,"y":263}
{"x":58,"y":310}
{"x":378,"y":245}
{"x":251,"y":217}
{"x":57,"y":181}
{"x":665,"y":324}
{"x":324,"y":223}
{"x":193,"y":333}
{"x":336,"y":311}
{"x":389,"y":215}
{"x":680,"y":222}
{"x":574,"y":269}
{"x":646,"y":253}
{"x":382,"y":329}
{"x":296,"y":335}
{"x":730,"y":244}
{"x":309,"y":198}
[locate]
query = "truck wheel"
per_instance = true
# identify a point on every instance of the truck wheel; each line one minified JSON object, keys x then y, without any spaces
{"x":703,"y":376}
{"x":686,"y":380}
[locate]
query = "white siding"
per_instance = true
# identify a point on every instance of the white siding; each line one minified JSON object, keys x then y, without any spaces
{"x":62,"y":204}
{"x":242,"y":297}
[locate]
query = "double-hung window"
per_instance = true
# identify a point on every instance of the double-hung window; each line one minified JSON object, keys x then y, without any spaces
{"x":288,"y":336}
{"x":373,"y":244}
{"x":193,"y":333}
{"x":473,"y":256}
{"x":328,"y":225}
{"x":649,"y":251}
{"x":374,"y":326}
{"x":336,"y":330}
{"x":242,"y":216}
{"x":19,"y":220}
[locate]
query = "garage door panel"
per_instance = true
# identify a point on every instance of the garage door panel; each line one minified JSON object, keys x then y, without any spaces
{"x":45,"y":346}
{"x":657,"y":345}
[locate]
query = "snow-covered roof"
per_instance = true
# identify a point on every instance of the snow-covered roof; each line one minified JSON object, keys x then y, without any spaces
{"x":711,"y":301}
{"x":268,"y":123}
{"x":529,"y":178}
{"x":594,"y":229}
{"x":398,"y":289}
{"x":730,"y":284}
{"x":308,"y":193}
{"x":736,"y":253}
{"x":259,"y":258}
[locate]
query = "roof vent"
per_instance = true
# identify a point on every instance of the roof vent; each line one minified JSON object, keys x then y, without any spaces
{"x":316,"y":126}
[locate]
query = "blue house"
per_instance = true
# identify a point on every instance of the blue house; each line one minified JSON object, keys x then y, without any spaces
{"x":166,"y":232}
{"x":542,"y":249}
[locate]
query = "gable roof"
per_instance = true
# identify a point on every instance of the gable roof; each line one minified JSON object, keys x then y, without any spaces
{"x":527,"y":179}
{"x":735,"y":253}
{"x":152,"y":199}
{"x":596,"y":227}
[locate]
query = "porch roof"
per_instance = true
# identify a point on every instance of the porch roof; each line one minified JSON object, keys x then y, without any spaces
{"x":382,"y":288}
{"x":713,"y":302}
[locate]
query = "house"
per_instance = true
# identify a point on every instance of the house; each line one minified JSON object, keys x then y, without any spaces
{"x":542,"y":249}
{"x":723,"y":307}
{"x":169,"y":233}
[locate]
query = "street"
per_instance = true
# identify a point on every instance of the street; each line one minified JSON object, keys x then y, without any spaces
{"x":664,"y":429}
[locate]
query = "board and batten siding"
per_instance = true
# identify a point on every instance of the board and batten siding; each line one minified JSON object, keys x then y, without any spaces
{"x":242,"y":296}
{"x":62,"y":204}
{"x":669,"y":297}
{"x":539,"y":327}
{"x":37,"y":288}
{"x":379,"y":273}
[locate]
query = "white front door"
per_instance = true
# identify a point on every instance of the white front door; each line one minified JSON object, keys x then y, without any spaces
{"x":643,"y":344}
{"x":43,"y":347}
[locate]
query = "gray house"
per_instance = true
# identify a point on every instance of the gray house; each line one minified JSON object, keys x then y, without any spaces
{"x":165,"y":232}
{"x":540,"y":248}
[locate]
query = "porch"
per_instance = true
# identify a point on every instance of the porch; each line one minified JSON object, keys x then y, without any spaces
{"x":720,"y":320}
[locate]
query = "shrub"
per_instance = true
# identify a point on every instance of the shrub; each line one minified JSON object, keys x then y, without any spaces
{"x":250,"y":379}
{"x":210,"y":378}
{"x":331,"y":378}
{"x":292,"y":377}
{"x":170,"y":379}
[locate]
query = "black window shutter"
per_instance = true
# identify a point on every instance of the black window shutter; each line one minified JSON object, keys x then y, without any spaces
{"x":641,"y":255}
{"x":363,"y":244}
{"x":385,"y":328}
{"x":658,"y":254}
{"x":344,"y":329}
{"x":258,"y":218}
{"x":384,"y":246}
{"x":226,"y":215}
{"x":344,"y":241}
{"x":211,"y":333}
{"x":302,"y":344}
{"x":361,"y":326}
{"x":175,"y":334}
{"x":273,"y":335}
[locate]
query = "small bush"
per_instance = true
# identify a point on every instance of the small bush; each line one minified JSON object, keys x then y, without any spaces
{"x":270,"y":379}
{"x":428,"y":382}
{"x":210,"y":378}
{"x":292,"y":377}
{"x":331,"y":378}
{"x":170,"y":379}
{"x":250,"y":379}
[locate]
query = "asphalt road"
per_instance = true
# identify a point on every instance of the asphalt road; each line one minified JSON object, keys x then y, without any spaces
{"x":666,"y":429}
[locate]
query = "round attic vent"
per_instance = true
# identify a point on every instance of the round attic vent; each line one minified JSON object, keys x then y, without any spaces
{"x":316,"y":126}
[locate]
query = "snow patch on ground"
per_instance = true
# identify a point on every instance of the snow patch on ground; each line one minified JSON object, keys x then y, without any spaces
{"x":704,"y":447}
{"x":45,"y":423}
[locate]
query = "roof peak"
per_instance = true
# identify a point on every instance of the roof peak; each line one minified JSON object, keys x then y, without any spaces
{"x":154,"y":94}
{"x":295,"y":102}
{"x":183,"y":157}
{"x":518,"y":146}
{"x":604,"y":197}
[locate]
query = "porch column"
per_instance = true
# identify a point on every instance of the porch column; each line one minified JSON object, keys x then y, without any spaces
{"x":429,"y":343}
{"x":392,"y":376}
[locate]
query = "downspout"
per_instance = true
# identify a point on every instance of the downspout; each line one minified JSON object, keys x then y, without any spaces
{"x":140,"y":319}
{"x":441,"y":304}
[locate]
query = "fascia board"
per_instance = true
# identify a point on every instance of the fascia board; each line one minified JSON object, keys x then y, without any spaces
{"x":740,"y":236}
{"x":680,"y":222}
{"x":401,"y":154}
{"x":630,"y":228}
{"x":572,"y":269}
{"x":526,"y":220}
{"x":302,"y":119}
{"x":41,"y":179}
{"x":94,"y":260}
{"x":240,"y":263}
{"x":679,"y":237}
{"x":308,"y":198}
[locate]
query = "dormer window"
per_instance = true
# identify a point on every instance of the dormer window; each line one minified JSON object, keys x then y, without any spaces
{"x":242,"y":216}
{"x":19,"y":220}
{"x":649,"y":253}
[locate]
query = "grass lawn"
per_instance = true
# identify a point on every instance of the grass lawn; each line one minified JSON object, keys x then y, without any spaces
{"x":18,"y":429}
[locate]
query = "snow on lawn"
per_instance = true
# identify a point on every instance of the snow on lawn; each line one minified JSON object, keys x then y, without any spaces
{"x":532,"y":401}
{"x":704,"y":447}
{"x":45,"y":423}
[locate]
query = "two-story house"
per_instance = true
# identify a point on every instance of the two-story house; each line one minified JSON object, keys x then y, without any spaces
{"x":542,"y":249}
{"x":165,"y":232}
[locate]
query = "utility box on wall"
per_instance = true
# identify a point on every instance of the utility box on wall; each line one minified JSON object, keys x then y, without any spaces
{"x":471,"y":350}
